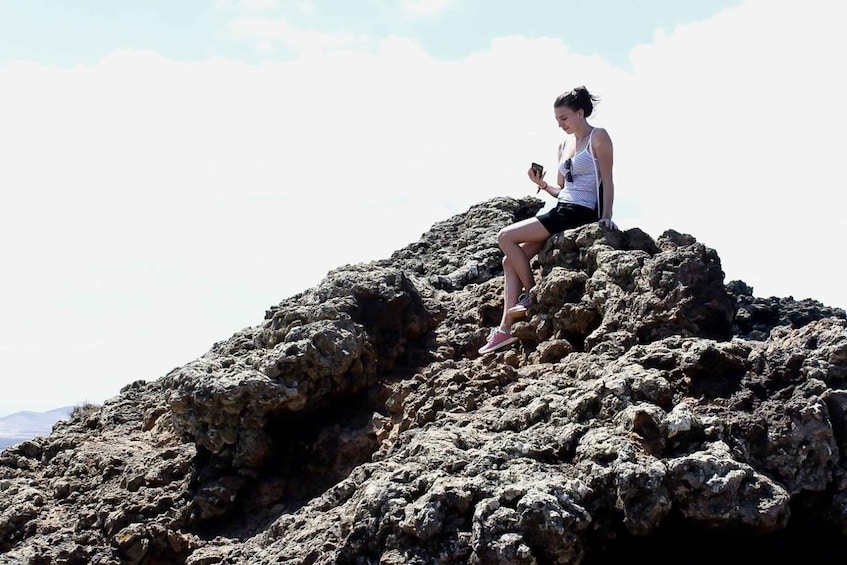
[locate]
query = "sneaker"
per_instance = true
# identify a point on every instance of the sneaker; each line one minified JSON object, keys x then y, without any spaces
{"x":520,"y":309}
{"x":497,"y":339}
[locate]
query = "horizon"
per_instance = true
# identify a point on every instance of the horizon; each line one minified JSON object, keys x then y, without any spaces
{"x":171,"y":171}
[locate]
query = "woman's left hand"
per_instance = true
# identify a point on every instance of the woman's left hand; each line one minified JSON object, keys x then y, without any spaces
{"x":608,"y":224}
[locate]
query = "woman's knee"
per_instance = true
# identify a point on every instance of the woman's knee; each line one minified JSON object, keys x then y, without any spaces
{"x":504,"y":237}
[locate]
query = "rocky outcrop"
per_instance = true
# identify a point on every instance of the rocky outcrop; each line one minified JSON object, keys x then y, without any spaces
{"x":648,"y":400}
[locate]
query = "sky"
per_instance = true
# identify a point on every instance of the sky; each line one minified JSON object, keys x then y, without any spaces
{"x":170,"y":170}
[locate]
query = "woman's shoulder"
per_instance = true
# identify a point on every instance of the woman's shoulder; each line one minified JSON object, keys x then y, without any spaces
{"x":601,"y":132}
{"x":600,"y":135}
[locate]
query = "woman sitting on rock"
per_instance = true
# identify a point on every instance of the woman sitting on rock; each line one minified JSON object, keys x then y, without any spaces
{"x":585,"y":192}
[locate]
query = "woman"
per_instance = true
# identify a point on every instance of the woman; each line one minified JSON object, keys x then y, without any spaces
{"x":585,"y":177}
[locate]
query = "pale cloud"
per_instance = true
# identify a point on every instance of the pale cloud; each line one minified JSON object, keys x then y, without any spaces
{"x":266,"y":47}
{"x":417,"y":8}
{"x":306,"y":7}
{"x":157,"y":207}
{"x":273,"y":31}
{"x":733,"y":129}
{"x":259,"y":5}
{"x":250,"y":5}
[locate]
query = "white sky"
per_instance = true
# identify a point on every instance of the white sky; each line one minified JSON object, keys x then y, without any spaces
{"x":153,"y":203}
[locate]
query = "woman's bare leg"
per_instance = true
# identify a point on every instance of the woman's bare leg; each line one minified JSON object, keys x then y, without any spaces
{"x":520,"y":242}
{"x":512,"y":285}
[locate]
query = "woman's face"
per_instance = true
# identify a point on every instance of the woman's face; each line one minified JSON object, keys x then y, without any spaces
{"x":567,"y":118}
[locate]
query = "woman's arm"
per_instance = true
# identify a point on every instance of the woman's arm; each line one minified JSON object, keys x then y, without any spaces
{"x":604,"y":151}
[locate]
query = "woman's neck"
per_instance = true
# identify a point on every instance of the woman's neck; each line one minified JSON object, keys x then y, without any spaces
{"x":580,"y":135}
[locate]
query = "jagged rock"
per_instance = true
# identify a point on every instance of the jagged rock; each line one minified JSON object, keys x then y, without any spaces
{"x":647,"y":400}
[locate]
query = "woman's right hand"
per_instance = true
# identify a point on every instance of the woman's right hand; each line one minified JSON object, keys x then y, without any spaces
{"x":536,"y":177}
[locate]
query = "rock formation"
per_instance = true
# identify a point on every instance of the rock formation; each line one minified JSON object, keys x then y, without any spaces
{"x":650,"y":408}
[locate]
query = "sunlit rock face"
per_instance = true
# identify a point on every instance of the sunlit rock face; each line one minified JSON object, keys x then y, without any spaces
{"x":650,"y":408}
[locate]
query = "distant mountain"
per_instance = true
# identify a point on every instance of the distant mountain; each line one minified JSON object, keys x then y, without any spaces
{"x":22,"y":426}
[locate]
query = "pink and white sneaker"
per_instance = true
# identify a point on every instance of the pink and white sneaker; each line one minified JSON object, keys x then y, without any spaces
{"x":497,"y":339}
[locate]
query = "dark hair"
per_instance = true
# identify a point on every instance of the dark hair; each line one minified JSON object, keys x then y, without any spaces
{"x":577,"y":99}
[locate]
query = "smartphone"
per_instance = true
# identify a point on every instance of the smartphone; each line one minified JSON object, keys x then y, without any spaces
{"x":538,"y":169}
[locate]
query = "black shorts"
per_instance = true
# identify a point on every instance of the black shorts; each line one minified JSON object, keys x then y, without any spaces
{"x":566,"y":216}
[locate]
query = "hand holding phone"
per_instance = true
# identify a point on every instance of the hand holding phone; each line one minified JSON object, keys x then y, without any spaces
{"x":538,"y":171}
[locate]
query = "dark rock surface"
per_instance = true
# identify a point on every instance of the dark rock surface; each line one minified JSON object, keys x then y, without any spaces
{"x":651,"y":410}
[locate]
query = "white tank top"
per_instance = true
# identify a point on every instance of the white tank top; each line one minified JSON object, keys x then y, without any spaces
{"x":586,"y":177}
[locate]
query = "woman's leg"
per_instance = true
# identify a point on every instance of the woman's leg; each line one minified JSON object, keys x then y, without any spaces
{"x":520,"y":242}
{"x":512,"y":284}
